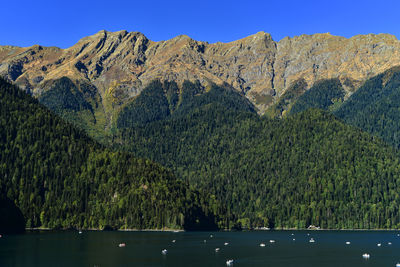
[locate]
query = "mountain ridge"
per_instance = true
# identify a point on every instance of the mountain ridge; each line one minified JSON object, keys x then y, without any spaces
{"x":120,"y":64}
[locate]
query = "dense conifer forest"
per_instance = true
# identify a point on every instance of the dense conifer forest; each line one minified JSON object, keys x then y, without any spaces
{"x":375,"y":107}
{"x":309,"y":168}
{"x":325,"y":94}
{"x":60,"y":178}
{"x":218,"y":163}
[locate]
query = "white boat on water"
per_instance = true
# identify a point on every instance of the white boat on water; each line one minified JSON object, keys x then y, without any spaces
{"x":122,"y":245}
{"x":262,"y":245}
{"x":366,"y":256}
{"x":312,"y":240}
{"x":217,"y":250}
{"x":164,"y":252}
{"x":272,"y":241}
{"x":226,"y":243}
{"x":348,"y":243}
{"x":229,"y":262}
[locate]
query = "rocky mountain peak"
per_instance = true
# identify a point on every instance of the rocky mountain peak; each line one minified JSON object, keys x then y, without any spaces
{"x":257,"y":65}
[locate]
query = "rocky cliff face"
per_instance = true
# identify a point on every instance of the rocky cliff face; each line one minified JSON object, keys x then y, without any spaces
{"x":120,"y":64}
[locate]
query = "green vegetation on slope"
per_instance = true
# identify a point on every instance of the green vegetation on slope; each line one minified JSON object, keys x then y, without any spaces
{"x":306,"y":169}
{"x":325,"y":94}
{"x":64,"y":95}
{"x":150,"y":105}
{"x":60,"y":178}
{"x":194,"y":98}
{"x":79,"y":104}
{"x":160,"y":101}
{"x":287,"y":100}
{"x":375,"y":107}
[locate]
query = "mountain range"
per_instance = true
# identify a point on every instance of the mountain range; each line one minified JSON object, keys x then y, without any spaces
{"x":307,"y":133}
{"x":119,"y":65}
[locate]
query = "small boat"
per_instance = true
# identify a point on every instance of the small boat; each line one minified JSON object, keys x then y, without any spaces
{"x":294,"y":239}
{"x":226,"y":243}
{"x":348,"y":243}
{"x":80,"y":232}
{"x":397,"y":264}
{"x":389,"y":243}
{"x":379,"y":244}
{"x":122,"y":245}
{"x":229,"y":262}
{"x":173,"y":241}
{"x":217,"y":250}
{"x":164,"y":252}
{"x":272,"y":241}
{"x":262,"y":245}
{"x":211,"y":236}
{"x":312,"y":240}
{"x":366,"y":256}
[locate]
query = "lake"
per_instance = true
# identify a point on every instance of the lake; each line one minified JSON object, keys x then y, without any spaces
{"x":93,"y":248}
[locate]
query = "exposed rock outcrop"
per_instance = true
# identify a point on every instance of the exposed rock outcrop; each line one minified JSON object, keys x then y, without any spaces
{"x":256,"y":65}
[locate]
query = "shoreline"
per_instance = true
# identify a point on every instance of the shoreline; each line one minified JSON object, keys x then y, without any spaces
{"x":221,"y":230}
{"x":316,"y":230}
{"x":102,"y":230}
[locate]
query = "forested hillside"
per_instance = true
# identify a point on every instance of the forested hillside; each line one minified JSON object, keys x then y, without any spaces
{"x":160,"y":101}
{"x":248,"y":171}
{"x":325,"y":94}
{"x":309,"y":168}
{"x":287,"y":100}
{"x":375,"y":107}
{"x":60,"y":178}
{"x":78,"y":103}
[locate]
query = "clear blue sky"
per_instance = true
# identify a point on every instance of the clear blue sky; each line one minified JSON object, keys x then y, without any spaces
{"x":63,"y":23}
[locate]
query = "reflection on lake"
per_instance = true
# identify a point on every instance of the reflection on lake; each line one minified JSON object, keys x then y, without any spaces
{"x":257,"y":248}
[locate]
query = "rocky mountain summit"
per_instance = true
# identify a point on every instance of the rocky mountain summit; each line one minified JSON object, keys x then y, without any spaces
{"x":120,"y":64}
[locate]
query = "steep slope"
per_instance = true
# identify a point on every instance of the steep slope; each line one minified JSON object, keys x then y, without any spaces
{"x":325,"y":94}
{"x":58,"y":177}
{"x":120,"y":64}
{"x":79,"y":103}
{"x":308,"y":168}
{"x":287,"y":100}
{"x":375,"y":107}
{"x":160,"y":101}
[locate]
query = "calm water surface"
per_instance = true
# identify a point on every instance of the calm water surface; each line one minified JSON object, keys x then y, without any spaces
{"x":198,"y":248}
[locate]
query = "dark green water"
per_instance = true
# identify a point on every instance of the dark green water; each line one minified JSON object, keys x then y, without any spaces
{"x":189,"y":249}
